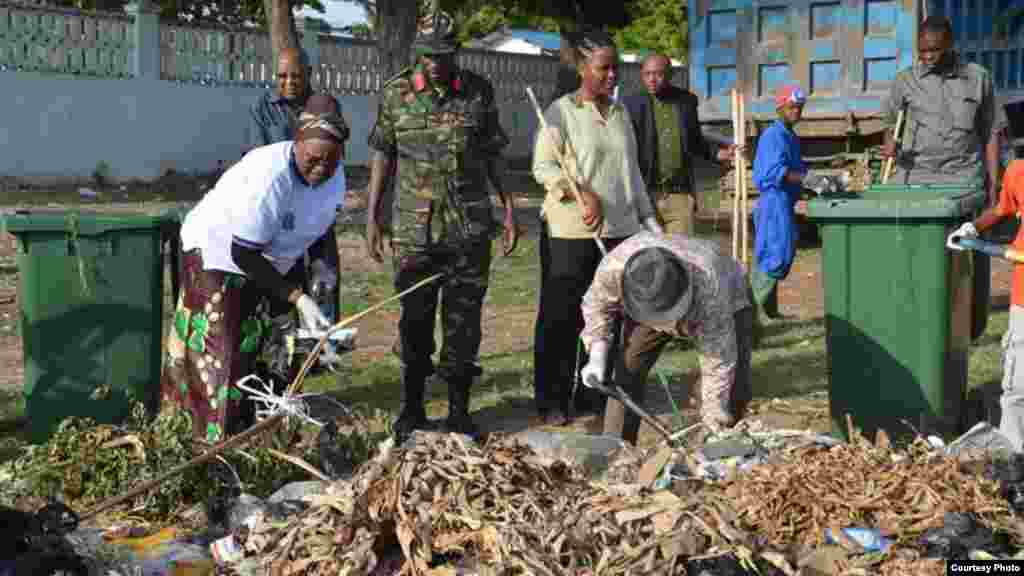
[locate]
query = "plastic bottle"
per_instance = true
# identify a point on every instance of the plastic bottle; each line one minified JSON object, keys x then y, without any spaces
{"x":869,"y":538}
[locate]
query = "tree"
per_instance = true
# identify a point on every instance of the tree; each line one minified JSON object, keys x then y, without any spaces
{"x":251,"y":13}
{"x":1008,"y":24}
{"x":477,"y":19}
{"x":393,"y":24}
{"x":394,"y":21}
{"x":659,"y":25}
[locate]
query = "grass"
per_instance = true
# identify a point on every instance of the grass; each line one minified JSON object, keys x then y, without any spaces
{"x":791,"y":362}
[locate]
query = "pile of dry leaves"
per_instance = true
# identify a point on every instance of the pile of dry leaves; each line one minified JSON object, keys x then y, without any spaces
{"x":500,"y":504}
{"x":512,"y":511}
{"x":901,"y":493}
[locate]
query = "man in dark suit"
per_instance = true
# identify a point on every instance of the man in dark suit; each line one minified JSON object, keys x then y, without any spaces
{"x":669,"y":137}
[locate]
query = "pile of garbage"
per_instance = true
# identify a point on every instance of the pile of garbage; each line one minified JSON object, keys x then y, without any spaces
{"x":442,"y":504}
{"x":749,"y":501}
{"x":448,"y":503}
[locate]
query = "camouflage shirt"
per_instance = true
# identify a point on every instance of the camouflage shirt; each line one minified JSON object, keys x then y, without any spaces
{"x":442,"y":141}
{"x":719,"y":291}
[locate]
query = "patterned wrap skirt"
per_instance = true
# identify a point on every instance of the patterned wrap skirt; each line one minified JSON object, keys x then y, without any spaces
{"x":214,"y":340}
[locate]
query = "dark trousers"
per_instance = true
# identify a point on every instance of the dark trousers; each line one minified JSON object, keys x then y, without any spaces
{"x":641,"y":347}
{"x":567,"y":268}
{"x":461,"y":294}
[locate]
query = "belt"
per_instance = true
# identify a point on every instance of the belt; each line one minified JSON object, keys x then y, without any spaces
{"x":674,"y":186}
{"x":673,"y":189}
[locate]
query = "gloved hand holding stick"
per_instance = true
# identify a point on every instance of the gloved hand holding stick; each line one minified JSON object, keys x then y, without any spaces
{"x":569,"y":152}
{"x":966,"y":238}
{"x":598,"y":374}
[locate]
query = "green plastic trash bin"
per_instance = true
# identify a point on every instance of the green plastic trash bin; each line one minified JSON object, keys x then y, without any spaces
{"x":898,"y":307}
{"x":981,"y":297}
{"x":91,"y":303}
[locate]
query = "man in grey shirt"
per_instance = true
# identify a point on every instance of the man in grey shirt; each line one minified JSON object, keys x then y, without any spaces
{"x":951,"y":116}
{"x":273,"y":118}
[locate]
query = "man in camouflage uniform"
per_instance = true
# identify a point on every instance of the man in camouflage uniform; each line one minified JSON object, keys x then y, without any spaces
{"x":440,"y":125}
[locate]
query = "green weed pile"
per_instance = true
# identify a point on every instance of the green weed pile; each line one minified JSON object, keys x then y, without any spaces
{"x":80,"y":467}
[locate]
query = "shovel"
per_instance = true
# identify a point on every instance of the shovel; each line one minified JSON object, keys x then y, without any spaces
{"x":615,"y":391}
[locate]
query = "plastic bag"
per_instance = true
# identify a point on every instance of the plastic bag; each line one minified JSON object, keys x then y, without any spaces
{"x":959,"y":535}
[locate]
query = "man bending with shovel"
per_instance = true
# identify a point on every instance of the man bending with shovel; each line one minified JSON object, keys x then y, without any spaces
{"x":662,"y":287}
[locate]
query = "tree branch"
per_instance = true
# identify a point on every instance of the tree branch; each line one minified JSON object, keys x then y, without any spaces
{"x":281,"y":24}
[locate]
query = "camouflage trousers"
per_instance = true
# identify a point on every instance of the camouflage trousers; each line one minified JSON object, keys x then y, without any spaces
{"x":461,"y":293}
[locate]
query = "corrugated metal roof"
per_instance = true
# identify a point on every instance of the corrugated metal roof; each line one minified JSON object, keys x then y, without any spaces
{"x":546,"y":40}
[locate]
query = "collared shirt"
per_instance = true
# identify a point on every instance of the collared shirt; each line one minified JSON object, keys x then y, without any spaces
{"x":272,"y":119}
{"x":951,"y":114}
{"x":671,"y":162}
{"x":443,"y":141}
{"x":605,"y":157}
{"x":719,"y":291}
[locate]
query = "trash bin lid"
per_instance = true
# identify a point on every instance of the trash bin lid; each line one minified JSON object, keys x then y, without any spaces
{"x":922,"y":203}
{"x":176,"y":214}
{"x":947,"y":188}
{"x":83,"y":223}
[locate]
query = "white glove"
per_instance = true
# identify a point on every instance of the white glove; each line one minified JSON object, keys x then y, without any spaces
{"x":310,"y":316}
{"x":651,"y":223}
{"x":322,"y":273}
{"x":594,"y":371}
{"x":966,"y":230}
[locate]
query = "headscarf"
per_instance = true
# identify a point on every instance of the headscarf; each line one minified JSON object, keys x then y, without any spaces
{"x":321,"y":119}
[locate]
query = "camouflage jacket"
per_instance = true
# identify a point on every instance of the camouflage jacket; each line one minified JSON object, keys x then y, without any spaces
{"x":442,"y":142}
{"x":719,"y":291}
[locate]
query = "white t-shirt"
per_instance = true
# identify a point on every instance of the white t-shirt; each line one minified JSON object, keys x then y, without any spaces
{"x":263,"y":202}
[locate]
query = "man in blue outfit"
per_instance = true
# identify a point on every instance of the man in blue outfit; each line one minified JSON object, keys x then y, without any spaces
{"x":779,"y":173}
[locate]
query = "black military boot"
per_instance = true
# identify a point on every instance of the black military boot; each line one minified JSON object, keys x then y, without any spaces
{"x":458,"y":420}
{"x":412,"y":417}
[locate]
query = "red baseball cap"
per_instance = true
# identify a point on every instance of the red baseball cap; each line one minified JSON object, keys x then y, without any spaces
{"x":789,"y":94}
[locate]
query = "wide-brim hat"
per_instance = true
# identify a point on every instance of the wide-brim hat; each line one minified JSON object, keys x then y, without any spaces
{"x":656,"y":286}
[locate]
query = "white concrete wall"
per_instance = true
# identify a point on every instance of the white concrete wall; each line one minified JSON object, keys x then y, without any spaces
{"x":62,"y":126}
{"x":55,"y":126}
